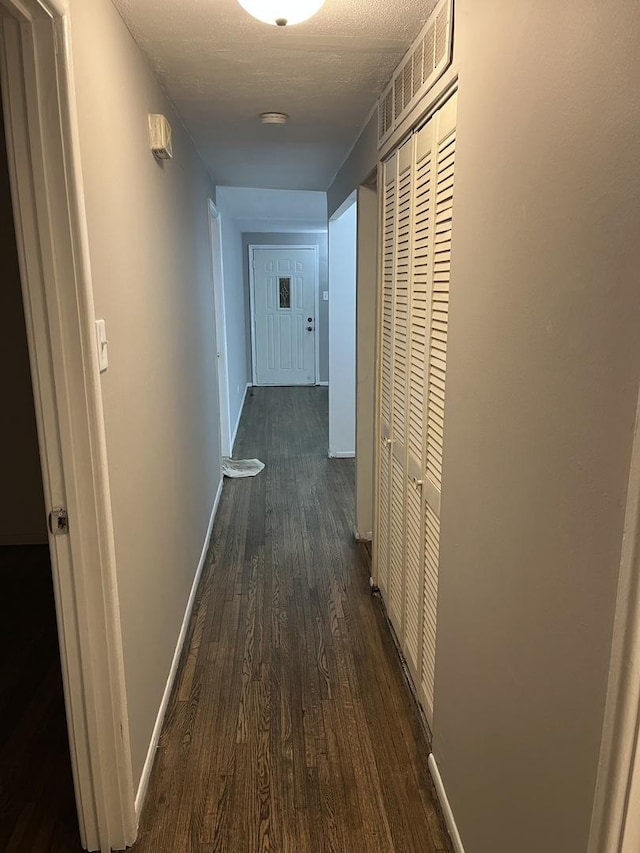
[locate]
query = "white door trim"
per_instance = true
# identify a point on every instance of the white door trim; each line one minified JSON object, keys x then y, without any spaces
{"x":220,"y":328}
{"x":252,"y":302}
{"x":48,"y":198}
{"x":616,"y":819}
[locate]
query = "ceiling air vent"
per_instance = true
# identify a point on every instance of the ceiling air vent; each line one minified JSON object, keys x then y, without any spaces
{"x":427,"y":59}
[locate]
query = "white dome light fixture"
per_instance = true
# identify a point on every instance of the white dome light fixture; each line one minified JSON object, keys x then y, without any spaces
{"x":281,"y":13}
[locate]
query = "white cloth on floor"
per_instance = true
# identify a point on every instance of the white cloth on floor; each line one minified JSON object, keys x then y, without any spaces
{"x":241,"y":467}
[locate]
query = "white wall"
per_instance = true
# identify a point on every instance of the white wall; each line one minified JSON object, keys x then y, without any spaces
{"x":276,"y":210}
{"x":542,"y":383}
{"x":366,"y":290}
{"x":342,"y":333}
{"x":237,"y":308}
{"x":152,"y":277}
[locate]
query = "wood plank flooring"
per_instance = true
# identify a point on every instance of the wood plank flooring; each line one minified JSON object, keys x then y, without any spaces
{"x":37,"y":803}
{"x":290,"y":727}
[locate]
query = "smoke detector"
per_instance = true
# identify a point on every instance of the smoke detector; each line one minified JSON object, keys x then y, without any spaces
{"x":274,"y":118}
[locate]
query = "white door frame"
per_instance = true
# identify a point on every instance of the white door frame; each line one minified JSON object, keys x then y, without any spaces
{"x":615,"y":825}
{"x":252,"y":301}
{"x":46,"y":183}
{"x":215,"y":234}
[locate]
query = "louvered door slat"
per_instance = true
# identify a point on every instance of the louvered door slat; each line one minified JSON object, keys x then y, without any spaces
{"x":396,"y":544}
{"x":384,"y":491}
{"x":385,"y":387}
{"x":430,"y":603}
{"x":401,"y":304}
{"x":413,"y":582}
{"x":401,"y":309}
{"x":421,"y":250}
{"x":444,"y":166}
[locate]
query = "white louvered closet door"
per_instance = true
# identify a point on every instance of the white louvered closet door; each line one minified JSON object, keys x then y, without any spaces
{"x":423,"y":178}
{"x":399,"y":406}
{"x":416,"y":257}
{"x":444,"y":161}
{"x":385,"y":388}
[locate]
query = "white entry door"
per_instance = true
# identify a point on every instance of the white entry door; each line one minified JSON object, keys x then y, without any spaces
{"x":284,"y":321}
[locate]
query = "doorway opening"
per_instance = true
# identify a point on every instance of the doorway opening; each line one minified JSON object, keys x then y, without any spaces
{"x":42,"y":153}
{"x":39,"y":810}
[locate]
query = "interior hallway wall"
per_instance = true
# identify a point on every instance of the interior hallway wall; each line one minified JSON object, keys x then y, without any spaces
{"x":22,"y":509}
{"x":366,"y":297}
{"x":152,"y":277}
{"x":361,"y":161}
{"x":541,"y":393}
{"x":311,"y":238}
{"x":237,"y":312}
{"x":542,"y":384}
{"x":342,"y":332}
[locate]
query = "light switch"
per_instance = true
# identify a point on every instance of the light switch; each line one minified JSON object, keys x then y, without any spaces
{"x":325,"y":295}
{"x":102,"y":342}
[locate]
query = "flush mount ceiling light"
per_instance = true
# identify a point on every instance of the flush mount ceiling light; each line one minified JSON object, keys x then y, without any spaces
{"x":281,"y":13}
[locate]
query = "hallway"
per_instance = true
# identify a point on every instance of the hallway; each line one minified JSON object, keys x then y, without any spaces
{"x":290,"y":727}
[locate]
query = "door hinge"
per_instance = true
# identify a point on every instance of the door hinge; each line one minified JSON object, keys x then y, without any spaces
{"x":59,"y":521}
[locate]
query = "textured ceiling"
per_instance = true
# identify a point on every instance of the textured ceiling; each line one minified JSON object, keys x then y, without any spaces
{"x":222,"y":68}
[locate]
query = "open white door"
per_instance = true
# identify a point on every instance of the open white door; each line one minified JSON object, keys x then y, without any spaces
{"x":48,"y":201}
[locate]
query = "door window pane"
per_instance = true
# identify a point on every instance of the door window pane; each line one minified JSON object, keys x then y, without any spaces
{"x":285,"y":292}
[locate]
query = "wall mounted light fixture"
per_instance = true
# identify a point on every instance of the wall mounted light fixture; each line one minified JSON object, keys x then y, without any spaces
{"x":281,"y":13}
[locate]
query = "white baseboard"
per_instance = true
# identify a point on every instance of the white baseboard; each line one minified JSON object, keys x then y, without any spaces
{"x":324,"y":384}
{"x":444,"y":804}
{"x":342,"y":454}
{"x":235,"y":429}
{"x":157,"y":729}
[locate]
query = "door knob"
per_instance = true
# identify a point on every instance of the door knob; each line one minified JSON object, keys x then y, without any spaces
{"x":309,"y":319}
{"x":309,"y":328}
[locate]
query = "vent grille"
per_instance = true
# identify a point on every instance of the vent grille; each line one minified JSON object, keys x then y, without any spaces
{"x":427,"y":59}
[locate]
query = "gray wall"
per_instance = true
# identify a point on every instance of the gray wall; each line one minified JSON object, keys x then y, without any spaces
{"x":314,"y":238}
{"x":543,"y":372}
{"x":236,"y":312}
{"x":152,"y":276}
{"x":22,"y":510}
{"x":367,"y":288}
{"x":544,"y":365}
{"x":357,"y":167}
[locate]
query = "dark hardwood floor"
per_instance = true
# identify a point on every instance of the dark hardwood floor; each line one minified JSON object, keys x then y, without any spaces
{"x":290,"y":727}
{"x":37,"y":805}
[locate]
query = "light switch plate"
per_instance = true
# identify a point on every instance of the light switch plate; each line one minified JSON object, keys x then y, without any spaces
{"x":102,"y":343}
{"x":325,"y":295}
